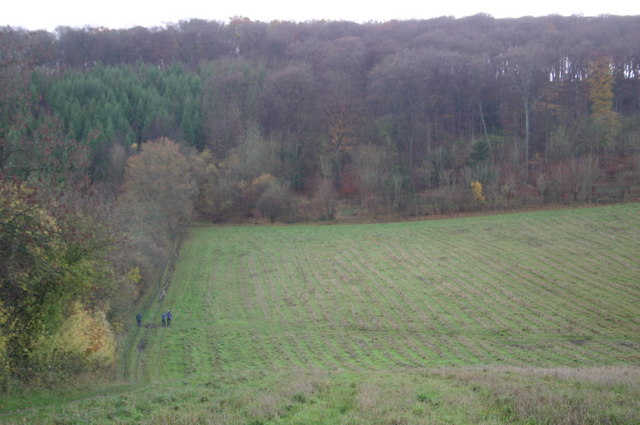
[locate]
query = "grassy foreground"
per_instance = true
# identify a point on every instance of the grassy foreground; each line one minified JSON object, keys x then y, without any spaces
{"x":527,"y":318}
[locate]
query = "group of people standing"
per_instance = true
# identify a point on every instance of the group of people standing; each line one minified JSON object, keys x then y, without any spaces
{"x":166,"y":318}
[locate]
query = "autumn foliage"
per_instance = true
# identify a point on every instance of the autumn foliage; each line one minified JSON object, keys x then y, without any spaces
{"x":476,"y":189}
{"x":113,"y":141}
{"x":55,"y":255}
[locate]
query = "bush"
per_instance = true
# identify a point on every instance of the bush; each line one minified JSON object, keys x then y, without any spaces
{"x":84,"y":341}
{"x":276,"y":202}
{"x":5,"y":371}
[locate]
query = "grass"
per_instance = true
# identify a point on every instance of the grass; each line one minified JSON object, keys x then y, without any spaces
{"x":528,"y":318}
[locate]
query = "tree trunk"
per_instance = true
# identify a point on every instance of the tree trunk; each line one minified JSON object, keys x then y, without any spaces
{"x":525,"y":101}
{"x":484,"y":123}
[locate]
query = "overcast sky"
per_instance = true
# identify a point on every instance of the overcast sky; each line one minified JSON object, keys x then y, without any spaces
{"x":49,"y":14}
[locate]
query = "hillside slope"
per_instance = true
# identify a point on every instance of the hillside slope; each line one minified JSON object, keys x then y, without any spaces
{"x":523,"y":318}
{"x":557,"y":288}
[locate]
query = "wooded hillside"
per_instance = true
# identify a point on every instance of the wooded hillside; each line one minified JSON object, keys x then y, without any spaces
{"x":112,"y":140}
{"x":537,"y":107}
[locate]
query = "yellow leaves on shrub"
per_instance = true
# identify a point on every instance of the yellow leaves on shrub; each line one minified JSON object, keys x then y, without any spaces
{"x":17,"y":208}
{"x":233,"y":159}
{"x":3,"y":343}
{"x":476,"y":189}
{"x":132,"y":280}
{"x":134,"y":275}
{"x":264,"y":180}
{"x":256,"y":186}
{"x":87,"y":333}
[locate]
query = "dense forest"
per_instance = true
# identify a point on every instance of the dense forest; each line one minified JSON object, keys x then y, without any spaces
{"x":112,"y":140}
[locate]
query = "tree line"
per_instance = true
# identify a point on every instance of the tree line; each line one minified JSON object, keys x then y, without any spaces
{"x":112,"y":140}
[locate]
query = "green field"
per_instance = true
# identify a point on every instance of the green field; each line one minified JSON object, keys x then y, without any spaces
{"x":524,"y":318}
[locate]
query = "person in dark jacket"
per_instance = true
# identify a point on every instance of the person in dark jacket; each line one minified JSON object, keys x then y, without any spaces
{"x":169,"y":317}
{"x":139,"y":319}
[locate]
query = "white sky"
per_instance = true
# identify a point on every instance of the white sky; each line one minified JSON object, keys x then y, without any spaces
{"x":49,"y":14}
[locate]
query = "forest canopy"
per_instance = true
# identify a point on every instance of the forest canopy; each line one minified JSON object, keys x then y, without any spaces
{"x":454,"y":99}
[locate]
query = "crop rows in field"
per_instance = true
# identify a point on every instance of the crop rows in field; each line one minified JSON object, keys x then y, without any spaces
{"x":546,"y":288}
